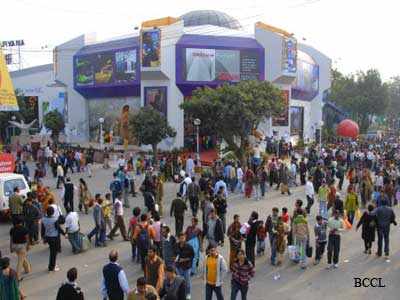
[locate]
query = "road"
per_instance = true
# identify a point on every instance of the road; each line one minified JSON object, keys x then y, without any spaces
{"x":313,"y":283}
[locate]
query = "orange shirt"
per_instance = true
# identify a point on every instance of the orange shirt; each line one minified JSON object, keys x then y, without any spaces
{"x":138,"y":228}
{"x":212,"y":263}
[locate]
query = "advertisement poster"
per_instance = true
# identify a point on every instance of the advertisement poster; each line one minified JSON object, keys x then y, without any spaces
{"x":283,"y":119}
{"x":289,"y":56}
{"x":7,"y":163}
{"x":306,"y":86}
{"x":33,"y":103}
{"x":200,"y":64}
{"x":103,"y":68}
{"x":297,"y":120}
{"x":157,"y":98}
{"x":84,"y":75}
{"x":125,"y":66}
{"x":8,"y":101}
{"x":227,"y":65}
{"x":151,"y":48}
{"x":249,"y":65}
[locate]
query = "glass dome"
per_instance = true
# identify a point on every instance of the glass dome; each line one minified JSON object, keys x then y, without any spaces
{"x":210,"y":17}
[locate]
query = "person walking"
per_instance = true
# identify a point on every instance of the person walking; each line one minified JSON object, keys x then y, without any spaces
{"x":184,"y":259}
{"x":99,"y":230}
{"x":168,"y":242}
{"x":84,"y":195}
{"x":142,"y":290}
{"x":159,"y":194}
{"x":221,"y":205}
{"x":351,"y":203}
{"x":271,"y":227}
{"x":215,"y":271}
{"x":143,"y":236}
{"x":320,"y":229}
{"x":242,"y":272}
{"x":301,"y":236}
{"x":9,"y":283}
{"x":107,"y":211}
{"x":309,"y":194}
{"x":19,"y":243}
{"x":251,"y":236}
{"x":194,"y":196}
{"x":60,"y":175}
{"x":235,"y":239}
{"x":178,"y":207}
{"x":72,"y":230}
{"x":16,"y":204}
{"x":119,"y":222}
{"x":335,"y":225}
{"x":194,"y":237}
{"x":154,"y":269}
{"x":114,"y":284}
{"x":115,"y":186}
{"x":133,"y":222}
{"x":174,"y":287}
{"x":213,"y":229}
{"x":70,"y":290}
{"x":368,"y":222}
{"x":32,"y":216}
{"x":69,"y":190}
{"x":282,"y":230}
{"x":51,"y":231}
{"x":323,"y":193}
{"x":385,"y":217}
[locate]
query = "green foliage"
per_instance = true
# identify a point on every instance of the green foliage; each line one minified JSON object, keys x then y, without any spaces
{"x":150,"y":127}
{"x":393,"y":111}
{"x":232,"y":111}
{"x":363,"y":95}
{"x":54,"y":121}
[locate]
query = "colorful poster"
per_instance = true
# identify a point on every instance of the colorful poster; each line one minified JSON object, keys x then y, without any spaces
{"x":200,"y":64}
{"x":103,"y":68}
{"x":125,"y":66}
{"x":8,"y":100}
{"x":33,"y":103}
{"x":151,"y":48}
{"x":84,"y":73}
{"x":283,"y":119}
{"x":157,"y":98}
{"x":297,"y":120}
{"x":306,"y":86}
{"x":289,"y":56}
{"x":227,"y":65}
{"x":7,"y":163}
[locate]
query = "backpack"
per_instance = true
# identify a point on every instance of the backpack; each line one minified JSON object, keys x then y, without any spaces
{"x":181,"y":187}
{"x":143,"y":239}
{"x":116,"y":186}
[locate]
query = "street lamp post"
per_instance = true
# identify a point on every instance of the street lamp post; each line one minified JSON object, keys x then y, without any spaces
{"x":101,"y":121}
{"x":320,"y":134}
{"x":13,"y":118}
{"x":197,"y":122}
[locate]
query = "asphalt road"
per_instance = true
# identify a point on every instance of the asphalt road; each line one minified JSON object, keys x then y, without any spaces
{"x":313,"y":283}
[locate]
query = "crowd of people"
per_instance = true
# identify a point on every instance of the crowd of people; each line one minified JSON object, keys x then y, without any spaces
{"x":346,"y":185}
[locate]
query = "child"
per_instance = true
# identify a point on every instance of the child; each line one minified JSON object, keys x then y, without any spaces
{"x":132,"y":224}
{"x":282,"y":229}
{"x":320,"y":238}
{"x":285,"y":215}
{"x":261,"y":235}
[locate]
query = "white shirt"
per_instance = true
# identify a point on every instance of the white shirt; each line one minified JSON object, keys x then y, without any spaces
{"x":118,"y":208}
{"x":57,"y":211}
{"x":123,"y":283}
{"x":310,"y":189}
{"x":60,"y":171}
{"x":72,"y":222}
{"x":187,"y":181}
{"x":239,"y":173}
{"x":379,"y":181}
{"x":121,"y":162}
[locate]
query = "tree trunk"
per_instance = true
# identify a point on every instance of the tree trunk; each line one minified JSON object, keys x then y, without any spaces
{"x":155,"y":160}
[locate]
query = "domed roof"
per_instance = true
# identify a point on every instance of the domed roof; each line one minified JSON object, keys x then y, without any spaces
{"x":210,"y":17}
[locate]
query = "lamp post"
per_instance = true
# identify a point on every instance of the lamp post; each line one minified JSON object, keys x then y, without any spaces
{"x":197,"y":122}
{"x":320,"y":133}
{"x":13,"y":118}
{"x":101,"y":121}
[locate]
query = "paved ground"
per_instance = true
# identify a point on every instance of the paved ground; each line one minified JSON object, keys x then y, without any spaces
{"x":313,"y":283}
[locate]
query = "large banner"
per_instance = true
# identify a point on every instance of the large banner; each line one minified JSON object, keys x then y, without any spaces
{"x":7,"y":163}
{"x":151,"y":48}
{"x":217,"y":65}
{"x":8,"y":100}
{"x":125,"y":65}
{"x":297,"y":121}
{"x":289,"y":56}
{"x":157,"y":98}
{"x":283,"y":119}
{"x":306,"y":86}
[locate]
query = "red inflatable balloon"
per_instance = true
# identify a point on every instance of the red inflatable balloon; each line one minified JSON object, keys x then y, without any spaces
{"x":348,"y":128}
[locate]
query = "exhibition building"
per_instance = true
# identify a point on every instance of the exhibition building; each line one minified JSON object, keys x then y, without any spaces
{"x":163,"y":62}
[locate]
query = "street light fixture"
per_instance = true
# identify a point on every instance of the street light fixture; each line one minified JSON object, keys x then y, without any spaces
{"x":13,"y":118}
{"x":197,"y":123}
{"x":101,"y":121}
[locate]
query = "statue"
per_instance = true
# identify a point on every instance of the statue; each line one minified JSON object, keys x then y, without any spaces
{"x":22,"y":126}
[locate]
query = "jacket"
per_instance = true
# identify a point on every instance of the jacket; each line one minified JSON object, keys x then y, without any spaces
{"x":385,"y":216}
{"x":178,"y":207}
{"x":98,"y":216}
{"x":351,"y":203}
{"x":69,"y":291}
{"x":222,"y":269}
{"x":218,"y":231}
{"x":300,"y":228}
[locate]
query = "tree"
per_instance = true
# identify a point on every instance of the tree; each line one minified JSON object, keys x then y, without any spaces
{"x":363,"y":95}
{"x":393,"y":109}
{"x":55,"y":122}
{"x":150,"y":127}
{"x":232,"y":111}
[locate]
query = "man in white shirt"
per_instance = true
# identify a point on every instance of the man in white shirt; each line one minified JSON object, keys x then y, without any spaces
{"x":72,"y":229}
{"x":190,"y":166}
{"x":118,"y":219}
{"x":184,"y":185}
{"x":121,"y":162}
{"x":60,"y":175}
{"x":309,"y":194}
{"x":239,"y":174}
{"x":114,"y":284}
{"x":220,"y":183}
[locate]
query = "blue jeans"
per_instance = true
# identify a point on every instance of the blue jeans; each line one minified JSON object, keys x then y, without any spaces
{"x":272,"y":242}
{"x":239,"y":186}
{"x":100,"y":235}
{"x":383,"y":235}
{"x":301,"y":247}
{"x":323,"y":209}
{"x":262,"y":187}
{"x":186,"y":275}
{"x":235,"y":288}
{"x":75,"y":241}
{"x":210,"y":289}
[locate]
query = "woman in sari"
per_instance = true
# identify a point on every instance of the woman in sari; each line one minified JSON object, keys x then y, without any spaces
{"x":194,"y":238}
{"x":249,"y":180}
{"x":84,"y":195}
{"x":9,"y":287}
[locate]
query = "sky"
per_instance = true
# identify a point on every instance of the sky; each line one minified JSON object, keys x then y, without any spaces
{"x":356,"y":34}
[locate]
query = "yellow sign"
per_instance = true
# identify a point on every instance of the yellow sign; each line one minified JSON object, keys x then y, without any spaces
{"x":8,"y":101}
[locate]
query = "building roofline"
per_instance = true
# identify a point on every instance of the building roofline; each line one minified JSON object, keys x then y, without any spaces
{"x":32,"y":70}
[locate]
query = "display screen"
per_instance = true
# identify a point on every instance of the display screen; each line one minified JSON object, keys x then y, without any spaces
{"x":209,"y":65}
{"x":297,"y":120}
{"x":151,"y":46}
{"x":157,"y":98}
{"x":289,"y":56}
{"x":283,"y":119}
{"x":106,"y":68}
{"x":306,"y":86}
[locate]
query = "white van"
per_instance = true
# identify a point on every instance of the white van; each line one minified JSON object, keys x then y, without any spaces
{"x":8,"y":181}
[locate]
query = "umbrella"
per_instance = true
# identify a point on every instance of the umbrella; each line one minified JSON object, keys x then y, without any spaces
{"x":348,"y":128}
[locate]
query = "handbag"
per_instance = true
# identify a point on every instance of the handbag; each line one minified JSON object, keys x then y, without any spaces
{"x":309,"y":250}
{"x":61,"y":218}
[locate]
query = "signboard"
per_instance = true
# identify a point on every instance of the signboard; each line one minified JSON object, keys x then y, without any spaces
{"x":111,"y":68}
{"x":157,"y":98}
{"x":12,"y":43}
{"x":306,"y":85}
{"x":218,"y":65}
{"x":8,"y":101}
{"x":33,"y":103}
{"x":297,"y":120}
{"x":151,"y":48}
{"x":289,"y":56}
{"x":283,"y":119}
{"x":7,"y":163}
